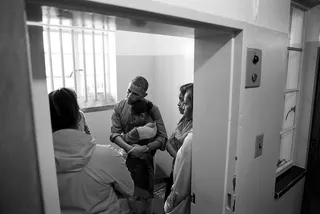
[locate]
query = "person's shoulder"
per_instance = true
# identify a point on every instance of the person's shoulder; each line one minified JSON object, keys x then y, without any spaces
{"x":120,"y":105}
{"x":104,"y":162}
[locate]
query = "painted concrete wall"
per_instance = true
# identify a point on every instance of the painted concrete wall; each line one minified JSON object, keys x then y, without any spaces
{"x":261,"y":111}
{"x":166,"y":62}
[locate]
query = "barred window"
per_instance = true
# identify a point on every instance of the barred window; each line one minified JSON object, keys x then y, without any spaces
{"x":80,"y":54}
{"x":292,"y":92}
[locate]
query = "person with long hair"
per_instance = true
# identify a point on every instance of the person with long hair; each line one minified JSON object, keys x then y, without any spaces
{"x":179,"y":198}
{"x":182,"y":130}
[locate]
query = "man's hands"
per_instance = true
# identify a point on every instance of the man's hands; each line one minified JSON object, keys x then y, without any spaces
{"x":138,"y":151}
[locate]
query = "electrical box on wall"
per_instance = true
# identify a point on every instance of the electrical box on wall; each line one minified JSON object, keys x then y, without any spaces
{"x":253,"y":72}
{"x":258,"y":145}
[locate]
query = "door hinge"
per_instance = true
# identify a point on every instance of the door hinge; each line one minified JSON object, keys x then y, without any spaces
{"x":193,"y":197}
{"x":231,"y":201}
{"x":234,"y":182}
{"x":234,"y":205}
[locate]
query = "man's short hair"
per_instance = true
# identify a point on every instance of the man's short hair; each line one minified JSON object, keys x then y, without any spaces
{"x":141,"y":82}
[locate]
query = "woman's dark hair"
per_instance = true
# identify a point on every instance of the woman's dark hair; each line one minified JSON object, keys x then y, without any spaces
{"x":189,"y":91}
{"x":141,"y":106}
{"x":185,"y":87}
{"x":64,"y":109}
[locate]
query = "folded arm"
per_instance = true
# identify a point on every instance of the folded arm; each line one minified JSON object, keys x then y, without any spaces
{"x":171,"y":150}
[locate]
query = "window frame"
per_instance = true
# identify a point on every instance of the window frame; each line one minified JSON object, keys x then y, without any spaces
{"x":284,"y":167}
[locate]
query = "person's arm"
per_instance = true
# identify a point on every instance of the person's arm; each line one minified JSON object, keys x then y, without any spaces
{"x":161,"y":139}
{"x":121,"y":143}
{"x":155,"y":145}
{"x":171,"y":150}
{"x":170,"y":147}
{"x":116,"y":130}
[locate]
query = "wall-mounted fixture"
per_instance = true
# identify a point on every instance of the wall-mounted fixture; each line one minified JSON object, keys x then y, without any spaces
{"x":253,"y":72}
{"x":258,"y":145}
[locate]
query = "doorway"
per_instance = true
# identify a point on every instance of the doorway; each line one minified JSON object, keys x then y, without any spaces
{"x":216,"y":65}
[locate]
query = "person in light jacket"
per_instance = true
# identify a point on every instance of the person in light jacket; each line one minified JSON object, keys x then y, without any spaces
{"x":91,"y":177}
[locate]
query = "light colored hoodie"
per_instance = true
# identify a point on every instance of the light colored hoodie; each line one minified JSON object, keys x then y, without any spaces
{"x":91,"y":177}
{"x":178,"y":202}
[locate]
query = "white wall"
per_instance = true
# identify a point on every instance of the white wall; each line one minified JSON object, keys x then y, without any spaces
{"x":264,"y":13}
{"x":271,"y":14}
{"x":261,"y":111}
{"x":166,"y":62}
{"x":213,"y":116}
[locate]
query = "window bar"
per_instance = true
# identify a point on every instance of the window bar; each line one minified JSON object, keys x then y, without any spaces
{"x":295,"y":49}
{"x":104,"y":60}
{"x":50,"y":58}
{"x":62,"y":55}
{"x":84,"y":61}
{"x":94,"y":62}
{"x":291,"y":90}
{"x":108,"y":56}
{"x":74,"y":61}
{"x":287,"y":130}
